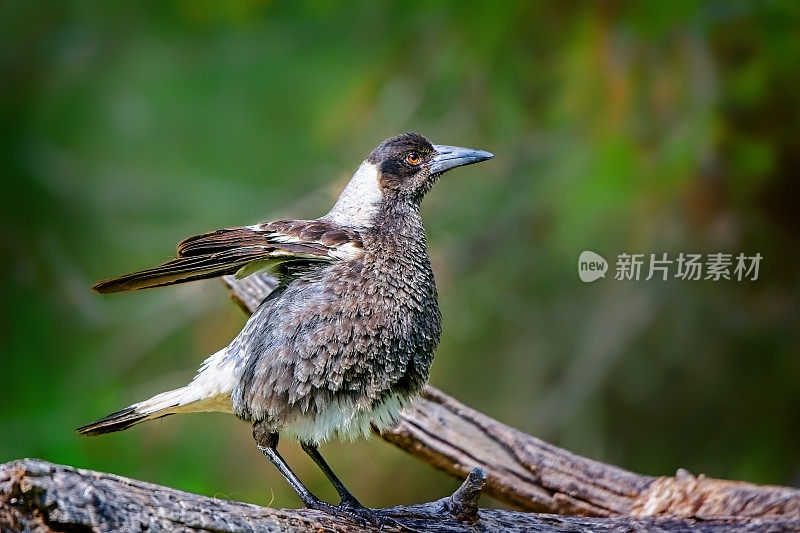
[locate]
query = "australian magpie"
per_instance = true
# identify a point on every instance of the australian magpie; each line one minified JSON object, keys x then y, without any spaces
{"x":347,"y":337}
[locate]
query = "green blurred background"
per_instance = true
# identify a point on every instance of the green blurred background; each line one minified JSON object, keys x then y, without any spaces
{"x":617,"y":127}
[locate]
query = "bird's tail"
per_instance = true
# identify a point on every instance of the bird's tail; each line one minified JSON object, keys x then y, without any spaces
{"x":209,"y":391}
{"x":156,"y":407}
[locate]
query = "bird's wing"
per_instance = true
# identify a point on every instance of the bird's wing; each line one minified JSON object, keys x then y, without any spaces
{"x":243,"y":251}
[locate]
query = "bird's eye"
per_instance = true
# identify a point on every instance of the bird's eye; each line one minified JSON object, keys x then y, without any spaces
{"x":412,"y":158}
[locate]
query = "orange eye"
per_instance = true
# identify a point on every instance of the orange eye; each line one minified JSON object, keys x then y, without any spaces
{"x":413,"y":158}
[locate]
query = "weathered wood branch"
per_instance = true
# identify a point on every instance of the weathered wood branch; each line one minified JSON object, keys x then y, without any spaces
{"x":41,"y":497}
{"x":533,"y":475}
{"x":516,"y":468}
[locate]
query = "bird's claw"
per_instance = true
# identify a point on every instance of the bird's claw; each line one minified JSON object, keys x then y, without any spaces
{"x":363,"y":515}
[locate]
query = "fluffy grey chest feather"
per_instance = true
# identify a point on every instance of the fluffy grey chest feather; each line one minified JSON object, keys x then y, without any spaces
{"x":351,"y":335}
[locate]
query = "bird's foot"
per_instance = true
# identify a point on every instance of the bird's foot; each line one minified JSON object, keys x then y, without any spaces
{"x":365,"y":516}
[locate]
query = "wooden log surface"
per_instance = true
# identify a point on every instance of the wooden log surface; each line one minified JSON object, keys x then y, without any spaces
{"x":42,"y":497}
{"x":514,"y":467}
{"x":533,"y":475}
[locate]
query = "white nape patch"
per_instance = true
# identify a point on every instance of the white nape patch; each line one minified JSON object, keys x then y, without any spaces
{"x":346,"y":421}
{"x":360,"y":200}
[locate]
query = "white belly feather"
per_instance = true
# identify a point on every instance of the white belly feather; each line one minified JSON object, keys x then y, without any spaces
{"x":211,"y":391}
{"x":345,"y":421}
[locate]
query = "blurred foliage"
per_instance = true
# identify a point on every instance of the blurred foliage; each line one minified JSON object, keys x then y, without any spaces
{"x":618,"y":127}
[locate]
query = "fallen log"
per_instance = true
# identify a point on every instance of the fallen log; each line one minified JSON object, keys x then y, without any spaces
{"x":516,"y":468}
{"x":42,"y":497}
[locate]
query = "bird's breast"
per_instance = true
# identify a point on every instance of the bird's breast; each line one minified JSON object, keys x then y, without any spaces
{"x":352,"y":333}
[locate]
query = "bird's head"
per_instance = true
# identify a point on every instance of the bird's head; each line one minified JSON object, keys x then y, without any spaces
{"x":400,"y":170}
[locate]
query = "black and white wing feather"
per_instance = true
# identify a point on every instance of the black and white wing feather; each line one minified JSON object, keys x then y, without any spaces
{"x":243,"y":251}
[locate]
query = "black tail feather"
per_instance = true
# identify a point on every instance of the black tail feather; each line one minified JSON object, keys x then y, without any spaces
{"x":114,"y":422}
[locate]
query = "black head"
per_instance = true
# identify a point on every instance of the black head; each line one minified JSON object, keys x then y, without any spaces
{"x":408,"y":165}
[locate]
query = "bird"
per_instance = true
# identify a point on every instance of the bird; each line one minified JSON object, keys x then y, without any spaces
{"x":344,"y":341}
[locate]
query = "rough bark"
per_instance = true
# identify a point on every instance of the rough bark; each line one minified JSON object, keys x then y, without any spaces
{"x":533,"y":475}
{"x":42,"y":497}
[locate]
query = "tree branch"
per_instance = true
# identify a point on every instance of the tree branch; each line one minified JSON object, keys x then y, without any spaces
{"x":516,"y":468}
{"x":42,"y":497}
{"x":533,"y":475}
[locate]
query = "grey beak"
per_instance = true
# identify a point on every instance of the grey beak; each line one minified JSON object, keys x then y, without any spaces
{"x":448,"y":157}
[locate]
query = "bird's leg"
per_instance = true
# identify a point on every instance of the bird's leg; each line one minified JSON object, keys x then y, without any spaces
{"x":267,"y":442}
{"x":349,"y":505}
{"x":347,"y":498}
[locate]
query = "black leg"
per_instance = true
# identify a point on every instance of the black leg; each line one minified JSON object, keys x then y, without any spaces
{"x":268,"y":444}
{"x":347,"y":498}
